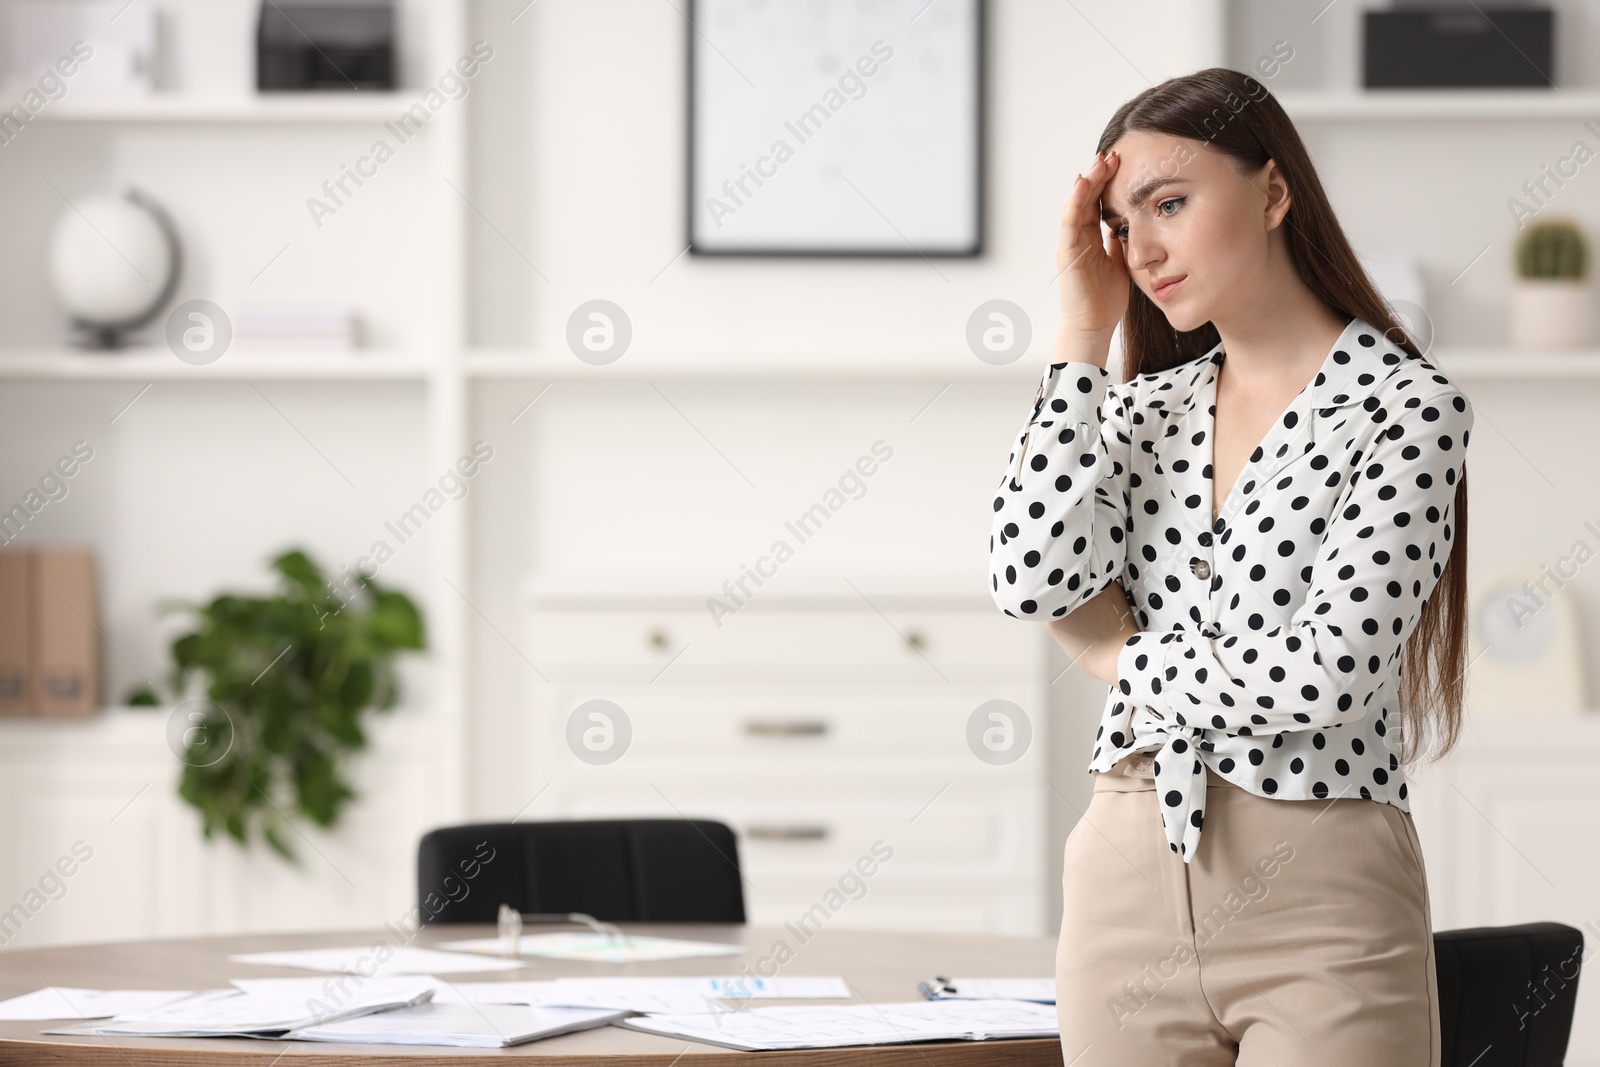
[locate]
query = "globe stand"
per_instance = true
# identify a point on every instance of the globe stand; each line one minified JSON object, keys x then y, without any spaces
{"x":94,"y":337}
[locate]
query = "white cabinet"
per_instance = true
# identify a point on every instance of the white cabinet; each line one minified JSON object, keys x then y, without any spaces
{"x":818,"y":727}
{"x":102,"y":793}
{"x":1509,"y":823}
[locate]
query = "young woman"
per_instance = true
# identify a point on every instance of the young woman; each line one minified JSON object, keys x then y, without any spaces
{"x":1257,"y":539}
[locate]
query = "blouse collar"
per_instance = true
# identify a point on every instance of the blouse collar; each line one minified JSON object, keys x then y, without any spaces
{"x":1357,"y":364}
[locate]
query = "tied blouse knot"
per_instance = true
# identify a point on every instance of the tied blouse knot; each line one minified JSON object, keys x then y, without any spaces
{"x":1271,"y":638}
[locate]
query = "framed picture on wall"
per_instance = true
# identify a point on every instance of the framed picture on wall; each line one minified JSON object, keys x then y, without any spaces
{"x":836,"y":127}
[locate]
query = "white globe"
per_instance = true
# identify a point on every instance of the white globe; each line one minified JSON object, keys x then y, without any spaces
{"x":108,"y":260}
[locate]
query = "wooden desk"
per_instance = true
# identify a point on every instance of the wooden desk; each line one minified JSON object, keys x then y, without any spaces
{"x":881,"y":967}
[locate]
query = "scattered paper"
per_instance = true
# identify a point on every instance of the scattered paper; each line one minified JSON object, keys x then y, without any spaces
{"x":657,"y":994}
{"x":464,"y":1025}
{"x":553,"y":994}
{"x":808,"y":1026}
{"x":1039,"y":990}
{"x":534,"y":994}
{"x":332,"y":987}
{"x":732,"y":987}
{"x":369,"y":962}
{"x":599,"y":948}
{"x":236,"y":1013}
{"x":61,"y":1002}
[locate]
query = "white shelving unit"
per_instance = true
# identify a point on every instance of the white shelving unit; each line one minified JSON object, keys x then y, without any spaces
{"x":268,"y":448}
{"x":1437,"y":105}
{"x":317,"y":108}
{"x":148,"y":364}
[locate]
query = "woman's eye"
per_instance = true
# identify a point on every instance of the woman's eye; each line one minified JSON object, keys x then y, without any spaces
{"x":1121,"y":232}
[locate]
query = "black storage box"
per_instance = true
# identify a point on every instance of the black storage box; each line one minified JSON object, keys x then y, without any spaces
{"x":1458,"y":46}
{"x":301,"y":46}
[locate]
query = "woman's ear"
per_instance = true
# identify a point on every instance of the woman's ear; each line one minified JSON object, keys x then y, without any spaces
{"x":1278,"y":197}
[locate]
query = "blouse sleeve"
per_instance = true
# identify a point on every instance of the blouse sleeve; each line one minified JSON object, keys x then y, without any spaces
{"x":1384,"y":551}
{"x":1059,"y":534}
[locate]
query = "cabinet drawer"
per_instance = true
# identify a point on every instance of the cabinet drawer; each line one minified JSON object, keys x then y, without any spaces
{"x":794,"y":730}
{"x":956,"y":833}
{"x":686,"y":645}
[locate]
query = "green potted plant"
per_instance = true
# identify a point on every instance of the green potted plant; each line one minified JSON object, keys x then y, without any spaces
{"x":272,"y":693}
{"x":1551,"y":305}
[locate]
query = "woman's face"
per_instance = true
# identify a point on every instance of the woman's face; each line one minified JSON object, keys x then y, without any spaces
{"x":1196,"y":219}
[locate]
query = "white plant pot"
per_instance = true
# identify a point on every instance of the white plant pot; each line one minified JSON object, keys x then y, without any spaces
{"x":1551,"y":313}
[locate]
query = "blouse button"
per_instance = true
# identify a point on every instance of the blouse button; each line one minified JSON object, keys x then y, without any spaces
{"x":1201,"y":568}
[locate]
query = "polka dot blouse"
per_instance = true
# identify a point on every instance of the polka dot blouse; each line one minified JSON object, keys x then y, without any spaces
{"x":1271,"y":637}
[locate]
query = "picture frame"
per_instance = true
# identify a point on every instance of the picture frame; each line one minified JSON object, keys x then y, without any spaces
{"x":806,"y":139}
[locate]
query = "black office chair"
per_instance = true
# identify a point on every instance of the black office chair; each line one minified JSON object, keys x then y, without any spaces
{"x":1507,"y":993}
{"x":616,"y":870}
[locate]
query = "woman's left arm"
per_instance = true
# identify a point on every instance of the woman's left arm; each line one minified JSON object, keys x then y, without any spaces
{"x":1380,"y":560}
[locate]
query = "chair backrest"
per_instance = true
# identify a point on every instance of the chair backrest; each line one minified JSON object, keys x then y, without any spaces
{"x":617,"y":870}
{"x":1510,"y":990}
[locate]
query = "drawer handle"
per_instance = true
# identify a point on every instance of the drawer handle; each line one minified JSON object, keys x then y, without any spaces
{"x":786,"y":833}
{"x":915,"y":640}
{"x":658,"y":639}
{"x":786,"y":727}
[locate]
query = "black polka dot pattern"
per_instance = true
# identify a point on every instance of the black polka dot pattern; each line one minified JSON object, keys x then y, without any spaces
{"x":1272,"y":635}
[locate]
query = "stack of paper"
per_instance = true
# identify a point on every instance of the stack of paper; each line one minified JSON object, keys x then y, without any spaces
{"x":467,"y":1025}
{"x":59,"y":1002}
{"x":237,"y":1013}
{"x":799,"y":1027}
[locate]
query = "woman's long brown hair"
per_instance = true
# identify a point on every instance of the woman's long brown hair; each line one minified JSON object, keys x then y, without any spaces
{"x":1235,"y":114}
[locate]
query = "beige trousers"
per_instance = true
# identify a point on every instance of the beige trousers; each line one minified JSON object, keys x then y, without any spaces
{"x":1299,"y":935}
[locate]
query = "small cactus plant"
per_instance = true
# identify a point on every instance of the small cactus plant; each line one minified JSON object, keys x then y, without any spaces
{"x":1554,"y":249}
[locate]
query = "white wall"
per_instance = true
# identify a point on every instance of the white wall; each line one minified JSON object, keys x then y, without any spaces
{"x":596,"y":474}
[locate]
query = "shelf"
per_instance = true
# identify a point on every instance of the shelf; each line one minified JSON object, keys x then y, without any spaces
{"x":333,"y":107}
{"x":117,"y":723}
{"x":146,"y":364}
{"x":1509,"y":363}
{"x":1370,"y":105}
{"x":1464,"y":363}
{"x":643,"y":366}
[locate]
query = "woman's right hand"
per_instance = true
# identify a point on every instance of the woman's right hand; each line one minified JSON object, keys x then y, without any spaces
{"x":1093,"y":277}
{"x":1094,"y":633}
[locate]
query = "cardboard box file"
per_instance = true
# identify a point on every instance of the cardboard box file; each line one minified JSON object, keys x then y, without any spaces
{"x":16,"y":615}
{"x":49,"y":644}
{"x":66,"y":648}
